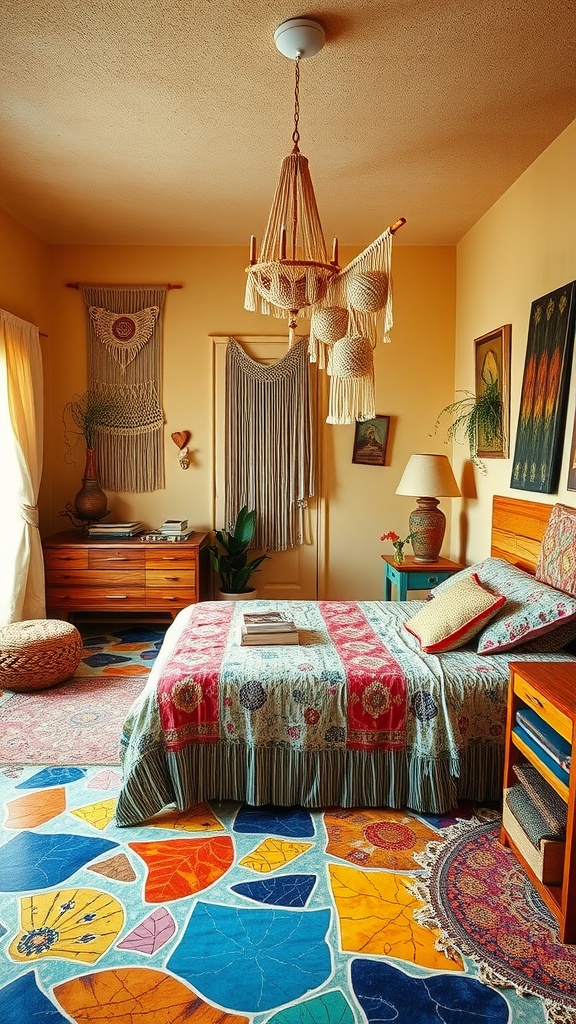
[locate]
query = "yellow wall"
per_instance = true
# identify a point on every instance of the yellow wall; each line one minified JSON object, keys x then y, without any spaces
{"x":414,"y":379}
{"x":524,"y":247}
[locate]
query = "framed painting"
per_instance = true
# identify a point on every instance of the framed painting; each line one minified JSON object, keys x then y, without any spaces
{"x":544,"y":396}
{"x":492,"y":373}
{"x":370,"y":440}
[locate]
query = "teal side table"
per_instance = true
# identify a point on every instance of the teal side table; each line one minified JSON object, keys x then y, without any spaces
{"x":413,"y":575}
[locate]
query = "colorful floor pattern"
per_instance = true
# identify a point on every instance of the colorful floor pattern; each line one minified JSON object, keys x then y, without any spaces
{"x":126,"y":652}
{"x":79,"y":721}
{"x":223,"y":914}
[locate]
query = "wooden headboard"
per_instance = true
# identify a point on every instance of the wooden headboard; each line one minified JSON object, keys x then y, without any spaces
{"x":517,"y":530}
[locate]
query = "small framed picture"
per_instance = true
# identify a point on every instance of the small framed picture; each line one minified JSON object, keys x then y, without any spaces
{"x":370,"y":440}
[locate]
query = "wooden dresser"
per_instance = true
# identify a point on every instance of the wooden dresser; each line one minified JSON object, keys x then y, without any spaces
{"x":89,"y":574}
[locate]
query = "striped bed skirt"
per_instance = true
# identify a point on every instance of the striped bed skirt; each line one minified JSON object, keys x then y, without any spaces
{"x":286,"y":778}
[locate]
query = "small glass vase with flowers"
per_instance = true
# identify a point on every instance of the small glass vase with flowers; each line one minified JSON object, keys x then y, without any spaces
{"x":398,"y":544}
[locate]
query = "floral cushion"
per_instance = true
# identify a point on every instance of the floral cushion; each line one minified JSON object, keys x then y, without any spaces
{"x":532,"y":610}
{"x":557,"y":560}
{"x":455,"y":616}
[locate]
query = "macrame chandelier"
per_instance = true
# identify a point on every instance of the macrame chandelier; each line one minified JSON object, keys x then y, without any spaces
{"x":292,"y":275}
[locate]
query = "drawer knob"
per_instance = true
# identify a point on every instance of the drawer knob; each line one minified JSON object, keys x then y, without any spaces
{"x":432,"y":579}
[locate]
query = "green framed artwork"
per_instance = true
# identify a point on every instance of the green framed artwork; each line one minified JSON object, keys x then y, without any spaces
{"x":492,"y":371}
{"x":370,"y":440}
{"x":542,"y":415}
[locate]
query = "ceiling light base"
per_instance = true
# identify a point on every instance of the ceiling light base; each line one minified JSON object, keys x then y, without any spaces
{"x":299,"y":37}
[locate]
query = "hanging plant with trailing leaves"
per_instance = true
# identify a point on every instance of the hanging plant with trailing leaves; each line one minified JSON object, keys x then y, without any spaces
{"x":474,"y":416}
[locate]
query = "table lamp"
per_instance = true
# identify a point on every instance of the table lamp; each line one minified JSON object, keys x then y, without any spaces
{"x":431,"y":476}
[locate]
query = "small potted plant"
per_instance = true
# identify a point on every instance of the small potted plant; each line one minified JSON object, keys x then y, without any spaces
{"x":229,"y":557}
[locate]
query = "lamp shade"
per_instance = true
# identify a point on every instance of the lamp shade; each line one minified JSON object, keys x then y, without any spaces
{"x":428,"y":477}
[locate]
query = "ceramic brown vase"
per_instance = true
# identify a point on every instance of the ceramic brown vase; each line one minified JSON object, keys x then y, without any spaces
{"x":90,"y":502}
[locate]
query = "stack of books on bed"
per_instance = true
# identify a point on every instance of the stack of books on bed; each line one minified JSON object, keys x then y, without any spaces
{"x":260,"y":628}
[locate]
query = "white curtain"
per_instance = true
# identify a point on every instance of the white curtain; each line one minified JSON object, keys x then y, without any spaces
{"x":22,"y":594}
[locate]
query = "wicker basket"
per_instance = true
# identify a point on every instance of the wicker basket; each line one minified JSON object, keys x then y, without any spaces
{"x":38,"y":653}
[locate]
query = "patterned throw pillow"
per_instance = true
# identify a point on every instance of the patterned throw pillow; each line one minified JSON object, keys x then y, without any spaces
{"x":454,"y":617}
{"x":532,"y":608}
{"x":557,"y":559}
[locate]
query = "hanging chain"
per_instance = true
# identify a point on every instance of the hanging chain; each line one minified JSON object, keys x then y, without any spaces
{"x":296,"y":133}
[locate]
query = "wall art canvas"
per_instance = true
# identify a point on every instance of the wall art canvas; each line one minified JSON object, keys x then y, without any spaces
{"x":542,"y":415}
{"x":370,"y":440}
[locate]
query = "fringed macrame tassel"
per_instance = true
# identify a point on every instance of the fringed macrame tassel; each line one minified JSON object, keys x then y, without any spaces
{"x":133,"y":462}
{"x":351,"y":398}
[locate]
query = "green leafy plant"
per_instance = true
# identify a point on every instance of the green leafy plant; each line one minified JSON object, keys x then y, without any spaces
{"x":81,"y":417}
{"x":475,"y":416}
{"x":232,"y":563}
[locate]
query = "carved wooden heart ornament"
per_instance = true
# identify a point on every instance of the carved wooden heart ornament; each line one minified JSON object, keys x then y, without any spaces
{"x":181,"y":438}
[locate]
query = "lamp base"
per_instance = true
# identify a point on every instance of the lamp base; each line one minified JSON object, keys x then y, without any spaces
{"x":428,"y":524}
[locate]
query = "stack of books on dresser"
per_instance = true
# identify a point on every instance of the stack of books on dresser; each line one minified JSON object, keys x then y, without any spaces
{"x":175,"y":529}
{"x":112,"y":530}
{"x":534,"y":813}
{"x":262,"y":628}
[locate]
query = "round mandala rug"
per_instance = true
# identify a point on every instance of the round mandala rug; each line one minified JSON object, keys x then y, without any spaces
{"x":481,"y":899}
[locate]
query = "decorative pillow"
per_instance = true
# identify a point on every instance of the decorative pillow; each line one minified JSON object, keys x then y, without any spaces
{"x":532,"y":608}
{"x":557,"y":560}
{"x":455,"y":616}
{"x":550,"y":643}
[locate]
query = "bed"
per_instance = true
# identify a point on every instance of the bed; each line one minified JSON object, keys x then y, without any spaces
{"x":360,"y":713}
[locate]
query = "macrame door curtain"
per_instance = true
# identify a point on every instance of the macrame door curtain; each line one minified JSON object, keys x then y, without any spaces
{"x":124,"y":370}
{"x":269,"y":449}
{"x":21,"y":432}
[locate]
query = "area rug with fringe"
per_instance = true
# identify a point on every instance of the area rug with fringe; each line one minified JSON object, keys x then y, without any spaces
{"x":80,"y":720}
{"x":230,"y":914}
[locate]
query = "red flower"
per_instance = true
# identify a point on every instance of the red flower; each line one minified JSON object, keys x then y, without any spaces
{"x":390,"y":536}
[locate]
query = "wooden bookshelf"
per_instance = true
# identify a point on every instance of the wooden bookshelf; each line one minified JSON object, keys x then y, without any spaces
{"x":549,"y":688}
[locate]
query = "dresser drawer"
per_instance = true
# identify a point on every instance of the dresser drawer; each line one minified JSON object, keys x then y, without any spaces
{"x":95,"y":598}
{"x":543,"y":707}
{"x":116,"y":578}
{"x":72,"y":557}
{"x":162,"y":555}
{"x":174,"y":599}
{"x":117,"y":558}
{"x":168,"y":579}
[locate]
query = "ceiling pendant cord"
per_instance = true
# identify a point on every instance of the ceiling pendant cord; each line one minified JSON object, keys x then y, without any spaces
{"x":295,"y":149}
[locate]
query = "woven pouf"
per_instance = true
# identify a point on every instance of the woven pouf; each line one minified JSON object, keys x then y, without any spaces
{"x":38,"y":653}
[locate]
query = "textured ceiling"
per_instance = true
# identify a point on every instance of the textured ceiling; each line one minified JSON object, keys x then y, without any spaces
{"x":164,"y":122}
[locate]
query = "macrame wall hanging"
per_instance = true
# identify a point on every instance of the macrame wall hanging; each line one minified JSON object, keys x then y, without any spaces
{"x":269,"y":452}
{"x":124,"y":370}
